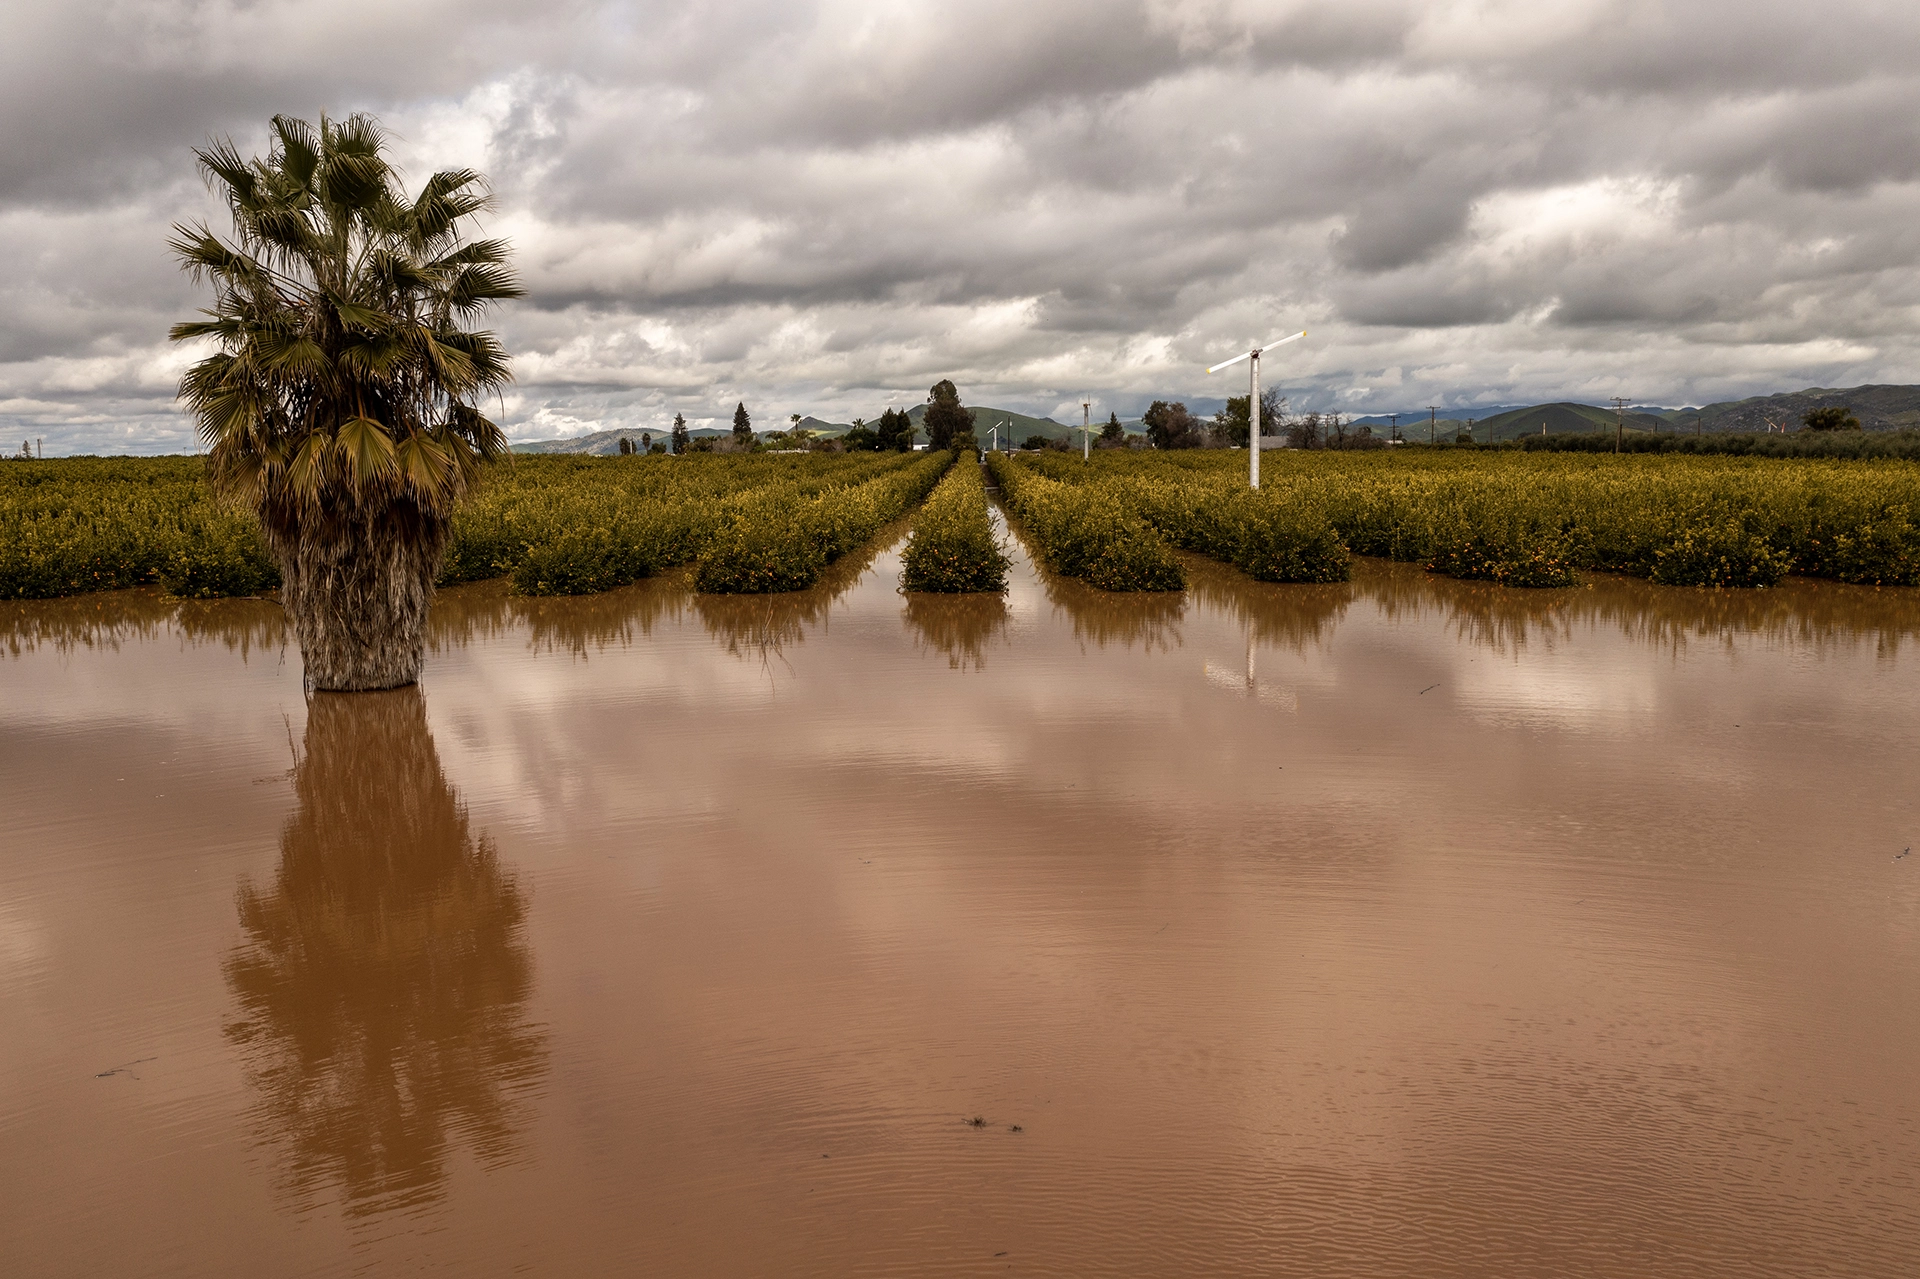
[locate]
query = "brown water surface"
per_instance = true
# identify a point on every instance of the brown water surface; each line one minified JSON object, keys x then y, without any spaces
{"x":1407,"y":927}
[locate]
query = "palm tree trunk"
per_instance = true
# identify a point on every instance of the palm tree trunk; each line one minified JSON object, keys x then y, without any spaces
{"x":357,"y":591}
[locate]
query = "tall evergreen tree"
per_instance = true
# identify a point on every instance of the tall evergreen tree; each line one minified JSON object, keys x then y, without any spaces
{"x":681,"y":437}
{"x":895,"y":431}
{"x":742,"y":426}
{"x":1113,"y":432}
{"x":945,"y":419}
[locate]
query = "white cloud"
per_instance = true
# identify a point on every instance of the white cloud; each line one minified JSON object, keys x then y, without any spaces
{"x":826,"y":207}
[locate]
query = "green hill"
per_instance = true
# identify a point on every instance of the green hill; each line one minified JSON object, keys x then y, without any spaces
{"x":1018,"y":424}
{"x":1879,"y":408}
{"x":600,"y":443}
{"x":1561,"y":419}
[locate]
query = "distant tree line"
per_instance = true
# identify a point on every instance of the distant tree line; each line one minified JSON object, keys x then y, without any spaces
{"x":1170,"y":425}
{"x":945,"y":423}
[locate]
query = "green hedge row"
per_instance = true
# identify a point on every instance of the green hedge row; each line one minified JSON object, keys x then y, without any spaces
{"x":777,"y":539}
{"x":1829,"y":444}
{"x":1678,"y":521}
{"x":953,"y":550}
{"x":1086,"y":531}
{"x":1539,"y":519}
{"x":551,"y":525}
{"x":1266,"y":534}
{"x":74,"y":525}
{"x":575,"y":526}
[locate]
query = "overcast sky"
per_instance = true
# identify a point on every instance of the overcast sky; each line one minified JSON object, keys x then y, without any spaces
{"x":825,"y":207}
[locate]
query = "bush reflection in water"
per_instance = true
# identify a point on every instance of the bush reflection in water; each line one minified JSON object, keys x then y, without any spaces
{"x":575,"y":624}
{"x":762,"y":626}
{"x":1294,"y":617}
{"x":383,"y":981}
{"x":1799,"y":613}
{"x":108,"y":619}
{"x":959,"y":626}
{"x":1151,"y":620}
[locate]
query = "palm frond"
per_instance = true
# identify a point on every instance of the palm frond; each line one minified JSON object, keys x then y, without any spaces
{"x":368,"y":319}
{"x":201,"y":253}
{"x":366,"y":453}
{"x":375,"y":357}
{"x":299,"y":149}
{"x":343,"y":375}
{"x":424,"y":463}
{"x":295,"y":355}
{"x":476,"y":286}
{"x":455,"y":366}
{"x":358,"y":135}
{"x":446,"y":198}
{"x":472,"y":253}
{"x":221,"y":159}
{"x":306,"y":474}
{"x":219,"y":326}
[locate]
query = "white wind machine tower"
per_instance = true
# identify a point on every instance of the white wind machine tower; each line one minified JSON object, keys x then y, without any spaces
{"x":1253,"y":399}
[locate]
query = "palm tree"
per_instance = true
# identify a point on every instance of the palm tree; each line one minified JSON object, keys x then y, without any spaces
{"x":341,"y":406}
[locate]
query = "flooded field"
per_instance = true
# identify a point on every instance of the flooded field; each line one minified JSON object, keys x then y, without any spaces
{"x":1407,"y":927}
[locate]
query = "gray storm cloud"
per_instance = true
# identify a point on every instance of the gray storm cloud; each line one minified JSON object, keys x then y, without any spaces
{"x":825,"y":207}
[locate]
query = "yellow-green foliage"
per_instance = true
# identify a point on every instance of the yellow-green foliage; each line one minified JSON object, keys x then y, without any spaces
{"x":553,"y":525}
{"x":1086,"y":531}
{"x":576,"y":525}
{"x":1535,"y":519}
{"x":93,"y":524}
{"x":953,"y":549}
{"x":779,"y":537}
{"x":1263,"y":533}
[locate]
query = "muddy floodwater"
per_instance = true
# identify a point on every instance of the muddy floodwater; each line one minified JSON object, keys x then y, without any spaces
{"x":1403,"y":928}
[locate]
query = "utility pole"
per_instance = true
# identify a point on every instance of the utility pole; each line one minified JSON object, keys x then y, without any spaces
{"x":1620,"y":425}
{"x":1431,"y":413}
{"x":1253,"y":423}
{"x":1086,"y":429}
{"x":1393,"y":426}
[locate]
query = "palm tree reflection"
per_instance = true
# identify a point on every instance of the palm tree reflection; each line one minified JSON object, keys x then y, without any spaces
{"x":384,"y":976}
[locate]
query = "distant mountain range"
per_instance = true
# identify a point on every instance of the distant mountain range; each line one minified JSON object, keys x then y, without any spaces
{"x":1879,"y":408}
{"x":607,"y":443}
